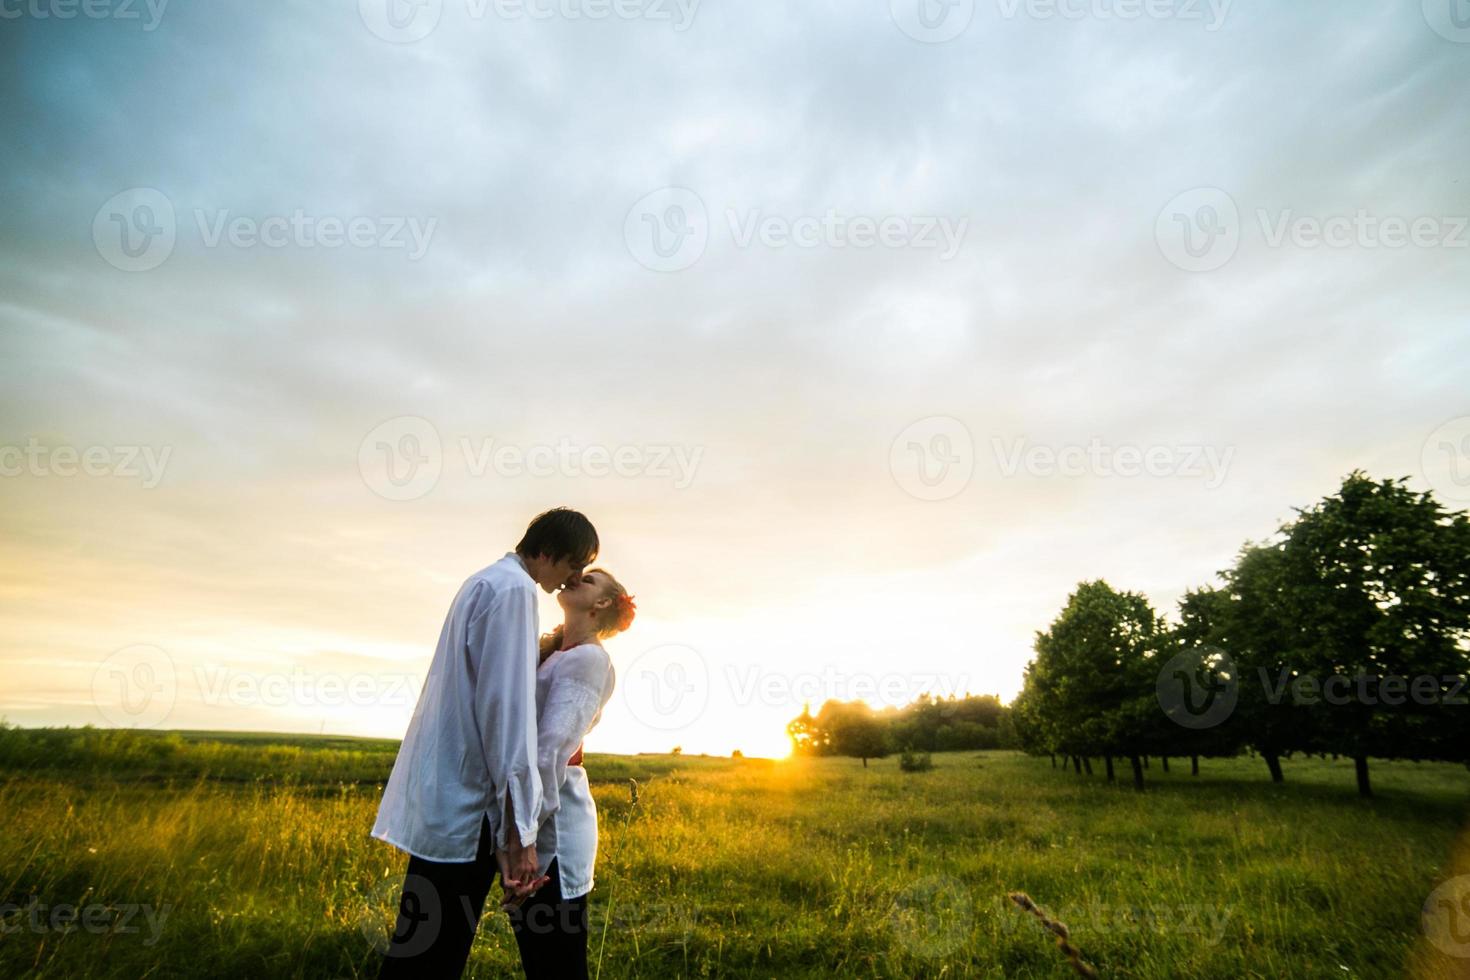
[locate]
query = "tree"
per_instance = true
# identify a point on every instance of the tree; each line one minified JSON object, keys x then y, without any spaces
{"x":1258,"y":623}
{"x":853,"y":730}
{"x":929,"y":724}
{"x":1091,"y":682}
{"x":1201,"y":615}
{"x":806,"y":737}
{"x":1368,"y":584}
{"x":1026,"y":719}
{"x":1380,"y":577}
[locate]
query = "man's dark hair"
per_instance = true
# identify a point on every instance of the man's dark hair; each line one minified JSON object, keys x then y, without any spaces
{"x":560,"y":533}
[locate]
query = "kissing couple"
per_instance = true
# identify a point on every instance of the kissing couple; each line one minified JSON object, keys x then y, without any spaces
{"x":489,"y":778}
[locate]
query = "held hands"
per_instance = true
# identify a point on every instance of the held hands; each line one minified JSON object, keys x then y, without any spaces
{"x":517,"y":863}
{"x":518,"y":872}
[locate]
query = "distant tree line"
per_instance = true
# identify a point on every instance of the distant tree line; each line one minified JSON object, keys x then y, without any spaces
{"x":1346,"y":633}
{"x":929,"y":724}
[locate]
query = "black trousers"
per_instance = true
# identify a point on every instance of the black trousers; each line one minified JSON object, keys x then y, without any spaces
{"x":438,"y":913}
{"x":551,"y":932}
{"x":440,"y":909}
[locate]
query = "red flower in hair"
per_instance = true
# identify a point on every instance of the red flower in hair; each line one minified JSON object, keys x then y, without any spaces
{"x":627,"y":608}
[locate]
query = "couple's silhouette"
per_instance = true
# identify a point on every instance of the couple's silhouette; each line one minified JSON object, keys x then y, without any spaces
{"x":488,"y":780}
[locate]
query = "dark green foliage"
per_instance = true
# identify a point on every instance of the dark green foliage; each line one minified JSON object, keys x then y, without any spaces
{"x":929,"y":724}
{"x":1348,"y":633}
{"x":911,"y":761}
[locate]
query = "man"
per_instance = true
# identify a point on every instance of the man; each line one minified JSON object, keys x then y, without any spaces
{"x":465,"y":782}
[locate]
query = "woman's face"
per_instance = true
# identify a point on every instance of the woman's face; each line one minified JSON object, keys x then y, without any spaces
{"x":583,"y":593}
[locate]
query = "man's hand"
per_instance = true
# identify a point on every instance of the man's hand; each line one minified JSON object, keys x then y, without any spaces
{"x":517,"y":863}
{"x":518,"y":871}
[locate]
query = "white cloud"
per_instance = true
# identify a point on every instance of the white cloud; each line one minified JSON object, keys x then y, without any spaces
{"x":529,"y":321}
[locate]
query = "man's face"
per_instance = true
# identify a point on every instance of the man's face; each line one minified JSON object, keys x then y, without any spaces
{"x":552,"y":575}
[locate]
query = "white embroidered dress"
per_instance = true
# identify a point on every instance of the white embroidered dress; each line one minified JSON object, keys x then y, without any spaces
{"x":572,"y":686}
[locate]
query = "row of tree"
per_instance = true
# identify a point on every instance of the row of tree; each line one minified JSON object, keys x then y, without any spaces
{"x":929,"y":724}
{"x":1347,"y":633}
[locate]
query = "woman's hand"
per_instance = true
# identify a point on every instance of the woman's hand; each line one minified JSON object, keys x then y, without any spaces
{"x":518,"y":872}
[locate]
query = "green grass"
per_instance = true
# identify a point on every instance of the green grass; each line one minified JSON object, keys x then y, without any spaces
{"x":253,"y":856}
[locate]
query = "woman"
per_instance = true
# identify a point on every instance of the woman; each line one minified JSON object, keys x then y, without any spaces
{"x":573,"y":683}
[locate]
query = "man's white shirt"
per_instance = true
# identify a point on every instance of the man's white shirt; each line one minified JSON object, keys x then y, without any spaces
{"x":472,"y":739}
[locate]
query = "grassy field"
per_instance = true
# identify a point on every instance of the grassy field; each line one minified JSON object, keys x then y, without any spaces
{"x":142,"y":855}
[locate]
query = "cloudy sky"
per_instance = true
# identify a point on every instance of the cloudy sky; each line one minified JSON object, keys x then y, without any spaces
{"x":863,"y":331}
